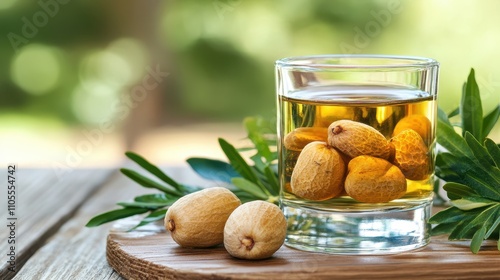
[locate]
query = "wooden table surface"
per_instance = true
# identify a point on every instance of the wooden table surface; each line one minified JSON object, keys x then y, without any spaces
{"x":52,"y":241}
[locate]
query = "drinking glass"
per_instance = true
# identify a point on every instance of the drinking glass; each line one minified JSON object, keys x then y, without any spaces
{"x":333,"y":202}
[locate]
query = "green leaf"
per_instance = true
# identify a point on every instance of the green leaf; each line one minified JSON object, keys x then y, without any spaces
{"x":485,"y":182}
{"x":255,"y":135}
{"x":457,"y":233}
{"x":447,"y":175}
{"x":272,"y":178}
{"x":443,"y":169}
{"x":495,"y":224}
{"x":237,"y":161}
{"x":187,"y":189}
{"x":309,"y":116}
{"x":452,"y":220}
{"x":449,"y":215}
{"x":264,"y":183}
{"x":148,"y":183}
{"x":444,"y":118}
{"x":460,"y":165}
{"x":477,"y":240}
{"x":470,"y":166}
{"x":493,"y":150}
{"x":244,"y":196}
{"x":249,"y":187}
{"x":471,"y":109}
{"x":457,"y":191}
{"x":152,"y":217}
{"x":483,"y":219}
{"x":479,"y":151}
{"x":212,"y":169}
{"x":470,"y":203}
{"x":490,"y":120}
{"x":452,"y":141}
{"x":438,"y":199}
{"x":114,"y":215}
{"x":155,"y":197}
{"x":443,"y":229}
{"x":148,"y":205}
{"x":259,"y":164}
{"x":454,"y":113}
{"x":152,"y":169}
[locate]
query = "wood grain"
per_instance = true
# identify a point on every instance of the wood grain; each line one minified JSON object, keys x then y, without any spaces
{"x":154,"y":255}
{"x":45,"y":201}
{"x":77,"y":252}
{"x":55,"y":244}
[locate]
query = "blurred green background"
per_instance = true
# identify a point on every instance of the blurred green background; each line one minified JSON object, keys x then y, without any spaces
{"x":82,"y":81}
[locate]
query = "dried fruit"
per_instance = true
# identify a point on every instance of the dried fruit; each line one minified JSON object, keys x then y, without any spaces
{"x":297,"y":139}
{"x":411,"y":155}
{"x":318,"y":173}
{"x":198,"y":219}
{"x":255,"y":230}
{"x":374,"y":180}
{"x":419,"y":123}
{"x":356,"y":139}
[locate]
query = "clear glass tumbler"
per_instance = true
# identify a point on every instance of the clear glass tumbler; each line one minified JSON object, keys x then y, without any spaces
{"x":356,"y":151}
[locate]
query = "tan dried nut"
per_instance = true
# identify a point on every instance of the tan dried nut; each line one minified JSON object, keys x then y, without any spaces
{"x":319,"y":172}
{"x":419,"y":123}
{"x":356,"y":139}
{"x":297,"y":139}
{"x":198,"y":219}
{"x":411,"y":155}
{"x":374,"y":180}
{"x":255,"y":230}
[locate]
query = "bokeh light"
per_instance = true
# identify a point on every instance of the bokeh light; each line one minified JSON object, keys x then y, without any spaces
{"x":106,"y":67}
{"x":103,"y":75}
{"x":93,"y":102}
{"x":255,"y":38}
{"x":36,"y":69}
{"x":178,"y":23}
{"x":5,"y":4}
{"x":135,"y":55}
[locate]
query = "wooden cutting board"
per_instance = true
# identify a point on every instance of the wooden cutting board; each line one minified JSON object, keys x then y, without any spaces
{"x":152,"y":254}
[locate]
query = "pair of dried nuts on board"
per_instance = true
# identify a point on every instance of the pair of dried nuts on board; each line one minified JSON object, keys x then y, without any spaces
{"x":206,"y":218}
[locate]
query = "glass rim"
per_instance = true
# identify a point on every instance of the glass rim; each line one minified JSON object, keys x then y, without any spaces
{"x":391,"y":61}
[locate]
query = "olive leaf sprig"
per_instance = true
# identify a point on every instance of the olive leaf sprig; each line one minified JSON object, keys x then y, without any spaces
{"x":258,"y":181}
{"x":471,"y":168}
